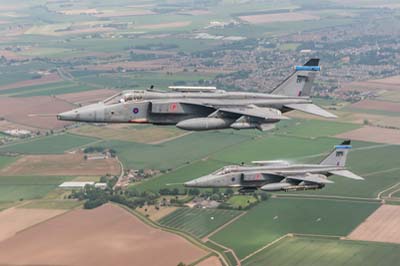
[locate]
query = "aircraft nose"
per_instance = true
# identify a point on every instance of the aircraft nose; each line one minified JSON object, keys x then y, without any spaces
{"x":68,"y":116}
{"x":191,"y":183}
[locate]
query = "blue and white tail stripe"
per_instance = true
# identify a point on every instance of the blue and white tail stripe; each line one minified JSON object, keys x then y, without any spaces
{"x":343,"y":146}
{"x":307,"y":68}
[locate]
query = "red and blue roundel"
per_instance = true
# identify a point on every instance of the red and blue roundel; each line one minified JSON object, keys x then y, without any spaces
{"x":135,"y":110}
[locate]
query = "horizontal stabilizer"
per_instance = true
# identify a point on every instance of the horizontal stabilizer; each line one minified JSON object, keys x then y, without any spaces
{"x":311,"y":109}
{"x":312,"y":178}
{"x":346,"y":173}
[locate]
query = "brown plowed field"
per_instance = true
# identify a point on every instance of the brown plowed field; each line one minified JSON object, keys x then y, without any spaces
{"x":30,"y":111}
{"x":61,"y":164}
{"x":373,"y":134}
{"x":390,"y":83}
{"x":86,"y":97}
{"x":211,"y":261}
{"x":14,"y":220}
{"x":382,"y":226}
{"x":105,"y":236}
{"x":377,"y":105}
{"x":51,"y":78}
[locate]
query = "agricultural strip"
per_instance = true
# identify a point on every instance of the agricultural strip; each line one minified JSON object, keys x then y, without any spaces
{"x":48,"y":145}
{"x":198,"y":222}
{"x":27,"y":187}
{"x":140,"y":134}
{"x":324,"y":251}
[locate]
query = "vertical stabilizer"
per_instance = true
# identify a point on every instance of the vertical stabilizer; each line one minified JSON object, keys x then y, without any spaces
{"x":300,"y":82}
{"x":339,"y":155}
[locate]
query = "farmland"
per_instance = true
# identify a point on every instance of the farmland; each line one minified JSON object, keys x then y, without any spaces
{"x":140,"y":134}
{"x":198,"y":222}
{"x":6,"y":160}
{"x":276,"y":217}
{"x":61,"y":164}
{"x":14,"y":220}
{"x":381,"y":226}
{"x":29,"y":111}
{"x":133,"y":241}
{"x":314,"y":128}
{"x":48,"y":145}
{"x":174,"y":153}
{"x":320,"y":251}
{"x":27,"y":187}
{"x":373,"y":134}
{"x":52,"y":204}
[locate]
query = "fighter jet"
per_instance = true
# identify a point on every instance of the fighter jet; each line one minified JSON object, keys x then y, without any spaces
{"x":279,"y":175}
{"x":207,"y":108}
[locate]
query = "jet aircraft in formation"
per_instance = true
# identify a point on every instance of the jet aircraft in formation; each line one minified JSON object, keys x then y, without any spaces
{"x":207,"y":108}
{"x":279,"y":175}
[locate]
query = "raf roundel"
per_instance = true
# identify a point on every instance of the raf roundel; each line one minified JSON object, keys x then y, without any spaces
{"x":135,"y":110}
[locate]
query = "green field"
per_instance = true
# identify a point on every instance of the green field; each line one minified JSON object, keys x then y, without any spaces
{"x":328,"y":252}
{"x":27,"y":187}
{"x":45,"y":89}
{"x":313,"y":128}
{"x":173,"y":153}
{"x":274,"y":218}
{"x":198,"y":222}
{"x":53,"y":204}
{"x":6,"y":160}
{"x":48,"y":145}
{"x":143,"y":80}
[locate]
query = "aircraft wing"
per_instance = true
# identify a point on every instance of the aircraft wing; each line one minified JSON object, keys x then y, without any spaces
{"x":346,"y":173}
{"x":311,"y":109}
{"x":256,"y":112}
{"x":311,"y":178}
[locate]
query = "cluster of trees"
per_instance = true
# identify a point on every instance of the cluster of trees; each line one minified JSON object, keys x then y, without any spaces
{"x":95,"y":197}
{"x":112,"y":152}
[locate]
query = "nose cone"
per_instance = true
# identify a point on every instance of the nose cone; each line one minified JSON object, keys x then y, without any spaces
{"x":68,"y":116}
{"x":204,"y":181}
{"x":90,"y":113}
{"x":191,"y":183}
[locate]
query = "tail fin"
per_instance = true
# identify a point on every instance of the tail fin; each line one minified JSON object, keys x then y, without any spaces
{"x":339,"y":155}
{"x":300,"y":82}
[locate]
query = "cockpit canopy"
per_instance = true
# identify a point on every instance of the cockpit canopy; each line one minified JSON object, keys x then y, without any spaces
{"x":125,"y":96}
{"x":226,"y":170}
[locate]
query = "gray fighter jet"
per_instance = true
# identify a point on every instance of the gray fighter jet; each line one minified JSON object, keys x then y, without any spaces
{"x":206,"y":108}
{"x":279,"y":175}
